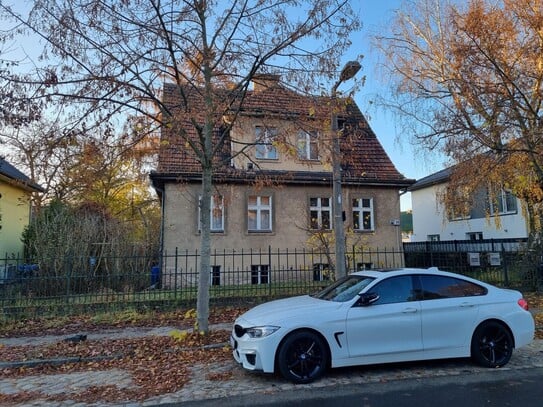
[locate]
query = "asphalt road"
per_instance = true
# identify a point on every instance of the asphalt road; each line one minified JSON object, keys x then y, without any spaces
{"x":498,"y":387}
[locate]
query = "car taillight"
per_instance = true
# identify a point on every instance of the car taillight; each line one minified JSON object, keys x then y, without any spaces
{"x":523,"y":304}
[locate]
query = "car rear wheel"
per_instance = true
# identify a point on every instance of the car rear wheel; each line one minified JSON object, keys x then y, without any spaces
{"x":302,"y":357}
{"x":491,"y":345}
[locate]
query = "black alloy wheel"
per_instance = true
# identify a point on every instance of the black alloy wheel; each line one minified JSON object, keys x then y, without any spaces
{"x":492,"y":345}
{"x":302,"y":357}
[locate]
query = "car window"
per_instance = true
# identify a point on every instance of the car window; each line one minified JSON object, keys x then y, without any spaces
{"x":434,"y":287}
{"x":345,"y":289}
{"x":394,"y":290}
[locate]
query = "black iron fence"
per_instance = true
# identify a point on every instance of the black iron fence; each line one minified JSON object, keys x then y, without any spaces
{"x":77,"y":284}
{"x":505,"y":262}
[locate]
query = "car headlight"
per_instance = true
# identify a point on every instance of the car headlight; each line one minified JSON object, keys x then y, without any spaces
{"x":261,"y":331}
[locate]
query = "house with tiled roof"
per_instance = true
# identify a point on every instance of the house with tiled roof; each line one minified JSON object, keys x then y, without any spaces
{"x":273,"y":174}
{"x":15,"y":208}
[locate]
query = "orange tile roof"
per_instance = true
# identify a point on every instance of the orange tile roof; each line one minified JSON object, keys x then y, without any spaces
{"x":364,"y":161}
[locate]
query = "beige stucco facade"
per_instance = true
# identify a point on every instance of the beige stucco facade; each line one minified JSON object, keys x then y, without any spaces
{"x":290,"y":217}
{"x":243,"y":134}
{"x":290,"y":233}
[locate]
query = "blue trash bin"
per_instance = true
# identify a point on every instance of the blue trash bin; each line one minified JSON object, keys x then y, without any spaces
{"x":155,"y":276}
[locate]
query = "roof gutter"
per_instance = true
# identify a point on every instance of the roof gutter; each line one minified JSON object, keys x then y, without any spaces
{"x":323,"y":178}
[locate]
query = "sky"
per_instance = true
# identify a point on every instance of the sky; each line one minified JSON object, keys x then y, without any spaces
{"x":408,"y":159}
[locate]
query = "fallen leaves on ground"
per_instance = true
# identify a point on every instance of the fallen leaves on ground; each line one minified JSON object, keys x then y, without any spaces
{"x":535,"y":300}
{"x":183,"y":318}
{"x":158,"y":365}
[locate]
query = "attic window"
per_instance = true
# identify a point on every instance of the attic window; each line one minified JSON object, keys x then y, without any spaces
{"x":264,"y":138}
{"x":307,"y":147}
{"x":341,"y":122}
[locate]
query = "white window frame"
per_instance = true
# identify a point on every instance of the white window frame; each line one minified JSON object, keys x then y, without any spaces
{"x":321,"y":272}
{"x":306,"y":144}
{"x":264,"y":138}
{"x":502,"y":200}
{"x":259,"y":271}
{"x":215,"y":277}
{"x":361,"y":210}
{"x":320,"y":209}
{"x":260,"y":208}
{"x":474,"y":236}
{"x":213,"y":209}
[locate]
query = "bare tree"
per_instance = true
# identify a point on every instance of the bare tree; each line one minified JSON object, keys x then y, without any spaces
{"x":468,"y":79}
{"x":116,"y":57}
{"x":17,"y":108}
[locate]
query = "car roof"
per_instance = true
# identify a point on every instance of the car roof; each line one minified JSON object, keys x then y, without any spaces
{"x":381,"y":273}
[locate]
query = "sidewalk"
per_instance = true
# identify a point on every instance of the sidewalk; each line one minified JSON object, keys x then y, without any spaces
{"x":225,"y":378}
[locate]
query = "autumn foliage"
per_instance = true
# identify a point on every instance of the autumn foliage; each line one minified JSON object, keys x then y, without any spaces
{"x":468,"y":79}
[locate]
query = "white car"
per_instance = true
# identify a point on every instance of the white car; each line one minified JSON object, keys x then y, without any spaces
{"x":383,"y":316}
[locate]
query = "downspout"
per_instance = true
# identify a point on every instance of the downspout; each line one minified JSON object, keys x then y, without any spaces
{"x":161,"y":191}
{"x":162,"y":194}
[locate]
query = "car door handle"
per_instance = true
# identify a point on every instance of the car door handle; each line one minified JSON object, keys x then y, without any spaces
{"x":409,"y":310}
{"x":467,"y":304}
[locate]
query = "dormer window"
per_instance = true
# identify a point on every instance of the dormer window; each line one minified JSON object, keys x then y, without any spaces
{"x":307,"y":147}
{"x":265,"y":149}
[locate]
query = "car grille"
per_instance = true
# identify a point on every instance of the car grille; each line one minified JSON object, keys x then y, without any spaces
{"x":239,"y":330}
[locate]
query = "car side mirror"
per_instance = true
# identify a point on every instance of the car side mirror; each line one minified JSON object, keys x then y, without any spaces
{"x":367,"y":299}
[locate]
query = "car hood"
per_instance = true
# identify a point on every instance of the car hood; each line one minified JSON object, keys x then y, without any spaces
{"x":272,"y":312}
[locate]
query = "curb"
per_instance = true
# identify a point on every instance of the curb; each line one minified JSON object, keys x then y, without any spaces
{"x":78,"y":359}
{"x":57,"y":361}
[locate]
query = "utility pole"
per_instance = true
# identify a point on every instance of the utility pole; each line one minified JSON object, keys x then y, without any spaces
{"x":348,"y":72}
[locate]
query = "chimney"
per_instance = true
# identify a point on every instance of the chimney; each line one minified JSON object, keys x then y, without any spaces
{"x":264,"y":81}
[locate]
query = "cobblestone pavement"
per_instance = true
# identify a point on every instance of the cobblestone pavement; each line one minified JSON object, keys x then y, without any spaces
{"x":240,"y":382}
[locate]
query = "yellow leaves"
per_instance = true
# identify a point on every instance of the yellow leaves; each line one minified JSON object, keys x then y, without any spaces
{"x":190,"y":314}
{"x":179,"y":335}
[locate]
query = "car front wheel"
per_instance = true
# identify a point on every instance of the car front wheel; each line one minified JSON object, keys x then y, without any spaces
{"x":302,"y":357}
{"x":491,"y":345}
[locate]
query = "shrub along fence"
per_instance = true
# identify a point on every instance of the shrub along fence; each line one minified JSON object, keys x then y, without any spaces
{"x":74,"y":285}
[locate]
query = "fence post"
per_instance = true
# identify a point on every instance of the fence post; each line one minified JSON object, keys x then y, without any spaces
{"x":505,"y":272}
{"x":271,"y":268}
{"x":68,"y":272}
{"x":175,"y":263}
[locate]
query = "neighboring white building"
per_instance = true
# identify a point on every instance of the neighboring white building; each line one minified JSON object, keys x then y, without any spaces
{"x":431,"y":223}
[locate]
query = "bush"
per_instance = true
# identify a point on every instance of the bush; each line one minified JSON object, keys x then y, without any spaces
{"x":85,"y":249}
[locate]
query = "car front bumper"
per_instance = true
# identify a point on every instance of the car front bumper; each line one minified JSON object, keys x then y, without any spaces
{"x":256,"y":354}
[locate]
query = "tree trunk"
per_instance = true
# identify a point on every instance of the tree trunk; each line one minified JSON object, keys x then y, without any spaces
{"x":202,"y":307}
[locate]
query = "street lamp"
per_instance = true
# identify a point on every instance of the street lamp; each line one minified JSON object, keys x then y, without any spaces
{"x":348,"y":72}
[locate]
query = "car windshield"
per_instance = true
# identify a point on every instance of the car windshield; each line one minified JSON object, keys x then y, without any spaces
{"x":344,"y":289}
